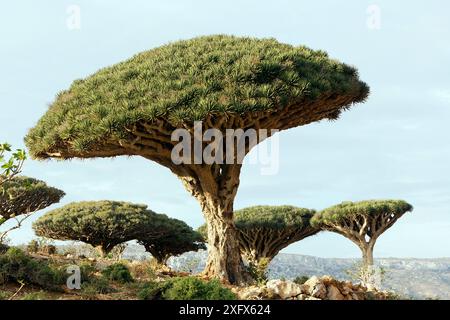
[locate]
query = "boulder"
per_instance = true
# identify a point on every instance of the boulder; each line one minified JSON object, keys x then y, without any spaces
{"x":250,"y":293}
{"x":333,"y":293}
{"x":315,"y":288}
{"x":284,"y":289}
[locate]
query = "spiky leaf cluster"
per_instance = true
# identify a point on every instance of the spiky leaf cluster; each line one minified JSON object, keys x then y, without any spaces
{"x":24,"y":195}
{"x":191,"y":80}
{"x":105,"y":224}
{"x":364,"y":209}
{"x":99,"y":223}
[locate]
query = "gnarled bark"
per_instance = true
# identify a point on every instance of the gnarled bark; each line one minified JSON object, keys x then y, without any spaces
{"x":215,"y":188}
{"x":224,"y":259}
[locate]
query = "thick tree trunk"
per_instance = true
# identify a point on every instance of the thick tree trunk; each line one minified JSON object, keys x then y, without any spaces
{"x":368,"y":256}
{"x":369,"y":274}
{"x":102,"y":251}
{"x":224,"y":258}
{"x":215,"y":188}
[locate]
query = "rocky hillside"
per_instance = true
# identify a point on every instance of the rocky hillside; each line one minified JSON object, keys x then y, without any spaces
{"x":415,"y":278}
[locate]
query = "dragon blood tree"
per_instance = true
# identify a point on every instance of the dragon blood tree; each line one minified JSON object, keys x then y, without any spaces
{"x":214,"y":82}
{"x":177,"y":239}
{"x":263,"y":231}
{"x":362,"y":222}
{"x":21,"y":196}
{"x":102,"y":224}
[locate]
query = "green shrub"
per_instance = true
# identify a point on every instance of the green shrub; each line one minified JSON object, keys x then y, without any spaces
{"x":87,"y":272}
{"x":258,"y":270}
{"x":301,"y":279}
{"x":118,"y":272}
{"x":192,"y":288}
{"x":153,"y":290}
{"x":96,"y":285}
{"x":41,"y":295}
{"x":4,"y":295}
{"x":185,"y":288}
{"x":33,"y":246}
{"x":15,"y":265}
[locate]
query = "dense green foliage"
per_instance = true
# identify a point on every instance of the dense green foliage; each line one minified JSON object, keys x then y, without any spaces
{"x":177,"y":239}
{"x":272,"y":217}
{"x":96,"y":285}
{"x":103,"y":224}
{"x":186,"y":288}
{"x":16,"y":266}
{"x":152,"y":290}
{"x":106,"y":224}
{"x":118,"y":272}
{"x":23,"y":195}
{"x":186,"y":81}
{"x":351,"y":210}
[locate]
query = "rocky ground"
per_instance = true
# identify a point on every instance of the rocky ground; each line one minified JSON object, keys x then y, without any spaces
{"x":315,"y":288}
{"x":408,"y":278}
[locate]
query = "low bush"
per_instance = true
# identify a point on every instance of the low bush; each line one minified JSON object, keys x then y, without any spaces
{"x":16,"y":265}
{"x":96,"y":285}
{"x":87,"y":272}
{"x":259,"y":271}
{"x":301,"y":279}
{"x":40,"y":295}
{"x":4,"y":295}
{"x":153,"y":290}
{"x":186,"y":288}
{"x":118,"y":272}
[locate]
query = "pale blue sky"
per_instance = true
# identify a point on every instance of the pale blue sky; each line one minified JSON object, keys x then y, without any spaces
{"x":394,"y":146}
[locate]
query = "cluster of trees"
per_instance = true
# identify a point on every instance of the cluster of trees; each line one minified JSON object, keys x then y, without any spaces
{"x":265,"y":230}
{"x":107,"y":224}
{"x":102,"y":224}
{"x":226,"y":82}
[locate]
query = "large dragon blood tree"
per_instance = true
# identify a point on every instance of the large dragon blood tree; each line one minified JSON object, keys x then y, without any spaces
{"x":226,"y":82}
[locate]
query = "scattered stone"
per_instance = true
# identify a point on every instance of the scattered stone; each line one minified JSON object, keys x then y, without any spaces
{"x":284,"y":289}
{"x":315,"y":288}
{"x":333,"y":293}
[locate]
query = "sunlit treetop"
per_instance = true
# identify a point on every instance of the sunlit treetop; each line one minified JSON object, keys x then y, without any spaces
{"x":24,"y":195}
{"x":353,"y":210}
{"x":225,"y":81}
{"x":273,"y":217}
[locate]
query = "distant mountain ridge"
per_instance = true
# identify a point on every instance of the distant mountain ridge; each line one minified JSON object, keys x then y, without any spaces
{"x":409,"y":277}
